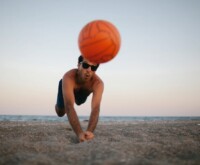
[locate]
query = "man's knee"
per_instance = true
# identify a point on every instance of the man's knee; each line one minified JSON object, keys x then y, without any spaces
{"x":60,"y":111}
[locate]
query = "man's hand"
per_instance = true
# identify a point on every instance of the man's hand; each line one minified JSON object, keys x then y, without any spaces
{"x":89,"y":135}
{"x":84,"y":136}
{"x":81,"y":137}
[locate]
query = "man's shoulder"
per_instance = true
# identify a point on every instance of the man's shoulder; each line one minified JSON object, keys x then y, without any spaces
{"x":98,"y":80}
{"x":70,"y":75}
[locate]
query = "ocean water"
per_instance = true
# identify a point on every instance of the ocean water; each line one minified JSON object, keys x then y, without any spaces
{"x":101,"y":118}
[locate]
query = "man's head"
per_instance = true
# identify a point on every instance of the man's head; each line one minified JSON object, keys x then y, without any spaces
{"x":86,"y":68}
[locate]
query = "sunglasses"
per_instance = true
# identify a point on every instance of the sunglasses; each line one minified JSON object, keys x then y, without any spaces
{"x":86,"y":66}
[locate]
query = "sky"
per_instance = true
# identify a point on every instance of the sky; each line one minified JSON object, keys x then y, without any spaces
{"x":155,"y":73}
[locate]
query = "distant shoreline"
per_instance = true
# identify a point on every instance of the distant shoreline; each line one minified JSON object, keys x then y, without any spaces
{"x":101,"y":118}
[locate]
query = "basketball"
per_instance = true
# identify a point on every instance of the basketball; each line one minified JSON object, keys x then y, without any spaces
{"x":99,"y":41}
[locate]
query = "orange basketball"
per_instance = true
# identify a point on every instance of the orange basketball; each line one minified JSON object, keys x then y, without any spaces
{"x":99,"y":41}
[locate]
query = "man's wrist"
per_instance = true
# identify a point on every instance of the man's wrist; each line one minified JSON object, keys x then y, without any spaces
{"x":79,"y":133}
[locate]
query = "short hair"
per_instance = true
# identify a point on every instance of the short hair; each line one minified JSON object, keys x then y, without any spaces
{"x":80,"y":59}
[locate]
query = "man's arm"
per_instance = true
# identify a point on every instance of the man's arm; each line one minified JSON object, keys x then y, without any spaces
{"x":68,"y":96}
{"x":96,"y":101}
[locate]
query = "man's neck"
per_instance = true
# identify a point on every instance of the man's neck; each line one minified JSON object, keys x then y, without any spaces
{"x":79,"y":80}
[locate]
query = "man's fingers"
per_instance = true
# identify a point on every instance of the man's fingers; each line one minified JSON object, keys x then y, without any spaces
{"x":82,"y":137}
{"x":86,"y":136}
{"x":89,"y":135}
{"x":81,"y":140}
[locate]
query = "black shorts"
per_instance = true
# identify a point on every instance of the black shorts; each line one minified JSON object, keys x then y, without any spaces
{"x":60,"y":101}
{"x":80,"y":96}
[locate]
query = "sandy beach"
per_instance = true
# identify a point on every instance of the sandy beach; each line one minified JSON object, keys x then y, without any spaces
{"x":134,"y":142}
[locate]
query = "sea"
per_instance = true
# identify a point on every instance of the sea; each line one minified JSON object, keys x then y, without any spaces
{"x":101,"y":118}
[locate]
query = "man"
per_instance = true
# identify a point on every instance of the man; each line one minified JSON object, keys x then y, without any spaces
{"x":75,"y":87}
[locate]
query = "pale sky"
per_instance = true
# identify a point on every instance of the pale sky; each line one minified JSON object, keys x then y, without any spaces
{"x":156,"y":72}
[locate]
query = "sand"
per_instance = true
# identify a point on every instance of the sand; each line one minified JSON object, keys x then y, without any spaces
{"x":136,"y":142}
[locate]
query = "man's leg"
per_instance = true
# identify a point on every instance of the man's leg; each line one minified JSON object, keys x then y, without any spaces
{"x":60,"y":111}
{"x":59,"y":107}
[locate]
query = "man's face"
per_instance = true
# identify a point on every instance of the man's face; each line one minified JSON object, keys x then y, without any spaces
{"x":87,"y":69}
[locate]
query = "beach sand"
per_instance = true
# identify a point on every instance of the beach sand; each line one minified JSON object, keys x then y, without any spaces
{"x":135,"y":142}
